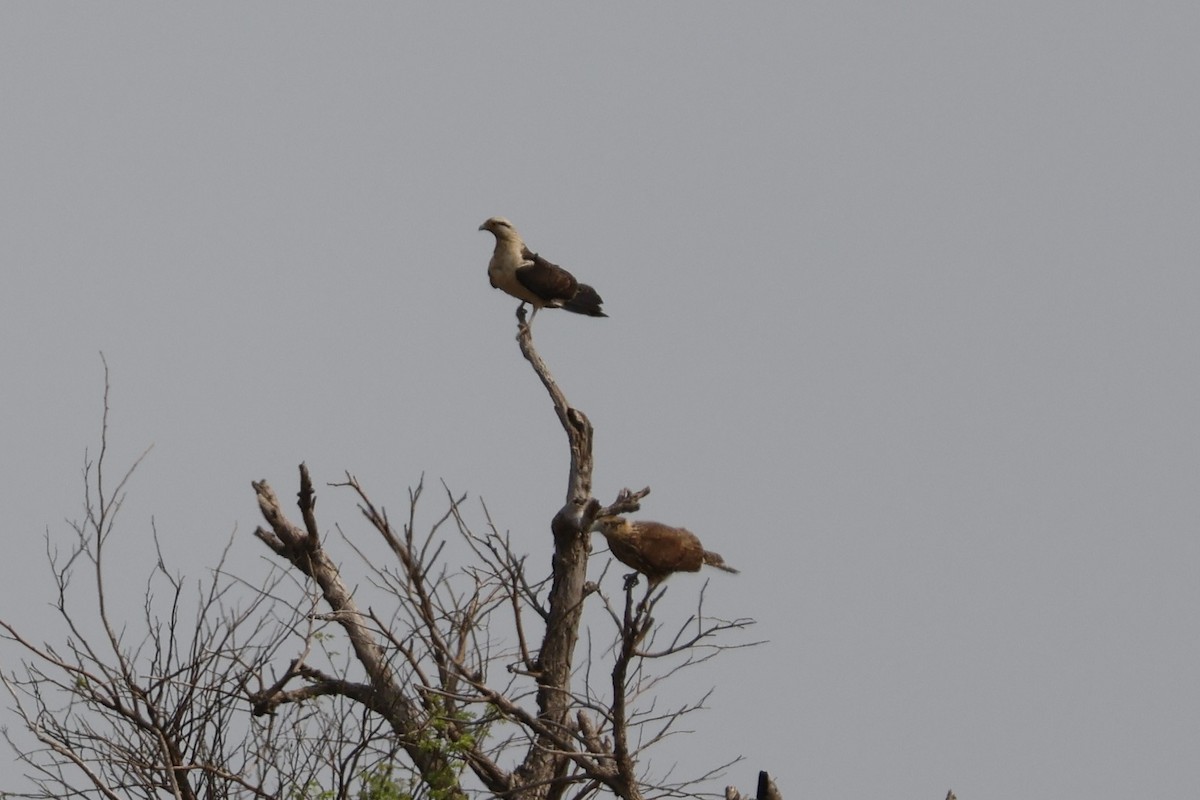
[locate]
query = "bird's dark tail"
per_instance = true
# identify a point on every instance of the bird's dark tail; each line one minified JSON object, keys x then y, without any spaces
{"x":586,"y":301}
{"x":714,"y":560}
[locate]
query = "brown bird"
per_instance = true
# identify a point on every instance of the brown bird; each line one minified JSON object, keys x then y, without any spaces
{"x":656,"y":550}
{"x":532,"y":279}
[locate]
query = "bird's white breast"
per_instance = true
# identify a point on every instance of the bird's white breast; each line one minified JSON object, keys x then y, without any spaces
{"x":502,"y":270}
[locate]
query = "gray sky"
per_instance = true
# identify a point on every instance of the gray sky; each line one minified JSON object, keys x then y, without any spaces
{"x":905,"y":322}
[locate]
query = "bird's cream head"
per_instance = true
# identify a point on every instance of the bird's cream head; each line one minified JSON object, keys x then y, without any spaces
{"x":502,"y":228}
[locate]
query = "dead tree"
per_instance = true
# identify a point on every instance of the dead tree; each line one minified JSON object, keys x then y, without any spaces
{"x":440,"y":689}
{"x":472,"y":684}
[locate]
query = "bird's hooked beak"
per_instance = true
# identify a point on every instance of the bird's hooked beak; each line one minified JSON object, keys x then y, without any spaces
{"x":601,"y":523}
{"x":483,"y":227}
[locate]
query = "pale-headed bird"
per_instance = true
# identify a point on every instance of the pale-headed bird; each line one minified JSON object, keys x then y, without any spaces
{"x":532,"y":279}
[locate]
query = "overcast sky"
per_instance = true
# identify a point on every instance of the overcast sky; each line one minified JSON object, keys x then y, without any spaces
{"x":905,"y":323}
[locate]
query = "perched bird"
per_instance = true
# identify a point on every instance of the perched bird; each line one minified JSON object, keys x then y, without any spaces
{"x":656,"y":550}
{"x":532,"y":279}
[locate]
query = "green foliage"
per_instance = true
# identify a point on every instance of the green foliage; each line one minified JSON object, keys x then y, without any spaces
{"x":439,"y":738}
{"x":380,"y":782}
{"x":376,"y":783}
{"x":380,"y":785}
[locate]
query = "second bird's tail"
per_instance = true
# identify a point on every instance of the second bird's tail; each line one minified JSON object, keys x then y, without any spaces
{"x":714,"y":560}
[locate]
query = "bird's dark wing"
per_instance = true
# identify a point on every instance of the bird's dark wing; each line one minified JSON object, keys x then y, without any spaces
{"x":629,"y":553}
{"x":548,"y":281}
{"x":669,"y":549}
